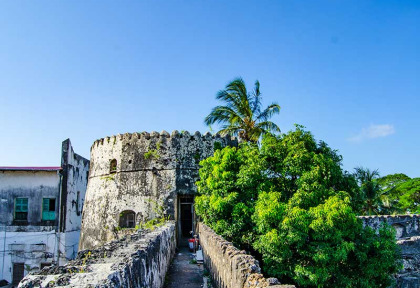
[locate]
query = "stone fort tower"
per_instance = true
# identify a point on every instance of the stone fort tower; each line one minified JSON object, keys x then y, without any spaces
{"x":130,"y":173}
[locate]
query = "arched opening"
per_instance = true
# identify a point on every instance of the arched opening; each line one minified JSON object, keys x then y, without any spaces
{"x":127,"y":219}
{"x":113,"y":166}
{"x":400,"y":229}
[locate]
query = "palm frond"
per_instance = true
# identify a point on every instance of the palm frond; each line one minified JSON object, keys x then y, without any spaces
{"x":269,"y":112}
{"x":232,"y":100}
{"x":221,"y":114}
{"x":268,"y":127}
{"x":364,"y":175}
{"x":229,"y":130}
{"x":256,"y":99}
{"x":238,"y":88}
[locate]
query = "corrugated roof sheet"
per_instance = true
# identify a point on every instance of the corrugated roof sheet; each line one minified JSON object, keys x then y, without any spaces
{"x":10,"y":168}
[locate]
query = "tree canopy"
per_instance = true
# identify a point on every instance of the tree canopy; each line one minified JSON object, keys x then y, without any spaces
{"x":402,"y":192}
{"x":241,"y":114}
{"x":289,"y":201}
{"x":391,"y":194}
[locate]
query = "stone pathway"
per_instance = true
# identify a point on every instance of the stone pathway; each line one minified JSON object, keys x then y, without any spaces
{"x":182,"y":273}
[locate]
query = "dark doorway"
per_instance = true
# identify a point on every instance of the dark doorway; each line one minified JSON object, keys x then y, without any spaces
{"x":18,"y":272}
{"x":186,"y":215}
{"x":127,"y":219}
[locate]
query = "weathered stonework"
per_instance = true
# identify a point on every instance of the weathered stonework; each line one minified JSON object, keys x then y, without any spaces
{"x":138,"y":260}
{"x":230,"y":267}
{"x":405,"y":225}
{"x":408,"y":238}
{"x":151,"y":168}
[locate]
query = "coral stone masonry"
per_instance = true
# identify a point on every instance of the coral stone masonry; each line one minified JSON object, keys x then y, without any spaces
{"x":133,"y":174}
{"x":137,"y":260}
{"x":231,"y":267}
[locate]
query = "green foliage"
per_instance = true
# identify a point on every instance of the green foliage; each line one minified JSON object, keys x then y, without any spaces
{"x":290,"y":201}
{"x":374,"y":198}
{"x":110,"y":177}
{"x":399,"y":194}
{"x":217,"y":146}
{"x":152,"y":153}
{"x":197,"y":157}
{"x":408,"y":196}
{"x":159,"y":218}
{"x":390,"y":181}
{"x":391,"y":194}
{"x":241,"y":113}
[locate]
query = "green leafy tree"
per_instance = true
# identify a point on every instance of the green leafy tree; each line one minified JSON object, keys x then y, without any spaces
{"x":407,"y":195}
{"x":391,"y":194}
{"x":290,"y":201}
{"x":374,"y":196}
{"x":241,"y":114}
{"x":390,"y":181}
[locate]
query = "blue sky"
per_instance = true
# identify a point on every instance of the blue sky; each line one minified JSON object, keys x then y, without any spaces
{"x":347,"y":70}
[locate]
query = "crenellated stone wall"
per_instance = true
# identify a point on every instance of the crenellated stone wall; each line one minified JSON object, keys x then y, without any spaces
{"x":405,"y":225}
{"x":408,"y":238}
{"x":138,"y":260}
{"x":230,"y":267}
{"x":150,"y":168}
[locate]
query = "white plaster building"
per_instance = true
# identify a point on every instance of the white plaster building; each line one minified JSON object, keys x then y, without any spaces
{"x":40,"y":214}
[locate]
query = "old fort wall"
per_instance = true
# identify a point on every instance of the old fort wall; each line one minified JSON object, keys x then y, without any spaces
{"x":230,"y":267}
{"x":137,"y":172}
{"x":138,"y":260}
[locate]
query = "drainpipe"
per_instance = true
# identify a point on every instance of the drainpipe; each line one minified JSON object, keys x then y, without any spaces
{"x":4,"y":251}
{"x":59,"y":216}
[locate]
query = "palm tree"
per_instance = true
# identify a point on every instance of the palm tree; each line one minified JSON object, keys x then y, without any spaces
{"x":241,"y":113}
{"x":375,"y":199}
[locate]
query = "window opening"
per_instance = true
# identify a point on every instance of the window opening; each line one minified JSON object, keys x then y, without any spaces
{"x":127,"y":219}
{"x":78,"y":204}
{"x":48,"y":209}
{"x":113,"y":166}
{"x":21,"y":209}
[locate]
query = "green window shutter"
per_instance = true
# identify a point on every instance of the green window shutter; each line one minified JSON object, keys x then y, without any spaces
{"x":48,"y":212}
{"x":21,"y":205}
{"x":48,"y":216}
{"x":45,"y":204}
{"x":21,"y":209}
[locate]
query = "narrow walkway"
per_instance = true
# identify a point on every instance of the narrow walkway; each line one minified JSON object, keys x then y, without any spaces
{"x":182,"y":273}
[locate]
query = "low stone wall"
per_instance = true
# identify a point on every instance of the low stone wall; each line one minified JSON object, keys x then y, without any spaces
{"x":405,"y":225}
{"x":137,"y":260}
{"x":408,"y":239}
{"x":409,"y":276}
{"x":230,"y":267}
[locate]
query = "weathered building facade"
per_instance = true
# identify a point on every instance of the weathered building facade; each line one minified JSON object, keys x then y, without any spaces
{"x":41,"y":214}
{"x":133,"y":175}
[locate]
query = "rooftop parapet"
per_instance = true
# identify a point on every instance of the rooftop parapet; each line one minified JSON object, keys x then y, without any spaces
{"x":164,"y":134}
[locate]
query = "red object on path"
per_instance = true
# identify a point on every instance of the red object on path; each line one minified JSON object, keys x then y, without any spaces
{"x":191,"y":242}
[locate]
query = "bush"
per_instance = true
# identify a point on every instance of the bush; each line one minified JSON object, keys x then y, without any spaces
{"x":290,"y":201}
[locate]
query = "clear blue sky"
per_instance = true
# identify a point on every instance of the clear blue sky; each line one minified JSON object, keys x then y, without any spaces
{"x":347,"y":70}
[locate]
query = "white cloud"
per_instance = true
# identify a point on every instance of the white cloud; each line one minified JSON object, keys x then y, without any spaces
{"x":373,"y":131}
